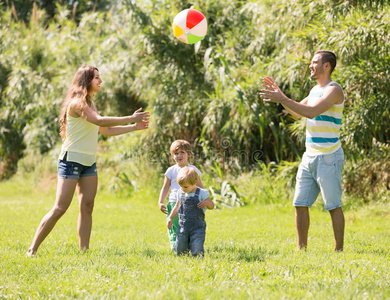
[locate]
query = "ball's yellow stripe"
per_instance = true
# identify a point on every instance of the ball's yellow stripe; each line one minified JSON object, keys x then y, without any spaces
{"x":177,"y":30}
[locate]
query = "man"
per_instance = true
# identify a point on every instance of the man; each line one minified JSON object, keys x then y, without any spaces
{"x":322,"y":163}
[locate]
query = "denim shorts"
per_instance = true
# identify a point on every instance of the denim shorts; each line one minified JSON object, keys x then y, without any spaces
{"x":73,"y":170}
{"x":319,"y":173}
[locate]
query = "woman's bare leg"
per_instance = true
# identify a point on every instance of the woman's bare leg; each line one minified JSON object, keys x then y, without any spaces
{"x":86,"y":191}
{"x":65,"y":192}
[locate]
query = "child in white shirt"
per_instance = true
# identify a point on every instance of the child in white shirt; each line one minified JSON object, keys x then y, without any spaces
{"x":181,"y":151}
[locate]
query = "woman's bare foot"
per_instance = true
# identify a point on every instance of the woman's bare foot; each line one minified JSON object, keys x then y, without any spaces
{"x":31,"y":253}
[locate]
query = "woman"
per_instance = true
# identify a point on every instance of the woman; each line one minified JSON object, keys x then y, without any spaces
{"x":79,"y":126}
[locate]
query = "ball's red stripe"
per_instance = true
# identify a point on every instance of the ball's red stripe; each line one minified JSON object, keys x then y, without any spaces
{"x":193,"y":18}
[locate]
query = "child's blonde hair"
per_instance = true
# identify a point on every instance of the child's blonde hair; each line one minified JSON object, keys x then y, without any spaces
{"x":181,"y":145}
{"x":187,"y":176}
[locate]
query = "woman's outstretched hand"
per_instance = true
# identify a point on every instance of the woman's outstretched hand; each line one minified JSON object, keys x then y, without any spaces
{"x":142,"y":125}
{"x":140,"y":116}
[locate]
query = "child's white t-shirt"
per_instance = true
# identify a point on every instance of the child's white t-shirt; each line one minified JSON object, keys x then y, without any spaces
{"x":171,"y":173}
{"x":203,"y":195}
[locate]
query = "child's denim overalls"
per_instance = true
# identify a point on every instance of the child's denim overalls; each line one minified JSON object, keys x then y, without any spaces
{"x":192,"y":226}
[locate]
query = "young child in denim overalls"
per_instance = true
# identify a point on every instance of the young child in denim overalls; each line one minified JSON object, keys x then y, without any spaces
{"x":181,"y":152}
{"x":191,"y":204}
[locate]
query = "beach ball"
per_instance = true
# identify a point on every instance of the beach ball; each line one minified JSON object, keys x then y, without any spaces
{"x":189,"y":26}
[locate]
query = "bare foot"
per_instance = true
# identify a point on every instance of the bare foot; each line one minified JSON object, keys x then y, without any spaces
{"x":31,"y":253}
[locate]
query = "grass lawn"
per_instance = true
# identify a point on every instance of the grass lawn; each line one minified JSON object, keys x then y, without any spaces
{"x":250,"y":252}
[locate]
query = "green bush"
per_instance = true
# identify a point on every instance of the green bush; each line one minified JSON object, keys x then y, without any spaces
{"x":206,"y":93}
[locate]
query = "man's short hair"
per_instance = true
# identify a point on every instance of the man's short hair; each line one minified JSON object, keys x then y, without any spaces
{"x":328,"y":56}
{"x":187,"y":175}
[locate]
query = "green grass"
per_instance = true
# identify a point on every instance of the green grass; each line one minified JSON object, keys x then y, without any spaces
{"x":250,"y":252}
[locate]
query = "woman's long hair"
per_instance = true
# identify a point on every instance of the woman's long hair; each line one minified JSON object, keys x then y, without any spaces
{"x":79,"y":89}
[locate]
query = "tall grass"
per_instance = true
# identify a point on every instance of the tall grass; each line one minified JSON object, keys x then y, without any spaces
{"x":207,"y":94}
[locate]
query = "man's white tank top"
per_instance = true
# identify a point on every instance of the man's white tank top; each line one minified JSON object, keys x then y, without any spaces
{"x":323,"y":131}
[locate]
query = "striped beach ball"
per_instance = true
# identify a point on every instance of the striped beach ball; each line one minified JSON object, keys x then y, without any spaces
{"x":190,"y":26}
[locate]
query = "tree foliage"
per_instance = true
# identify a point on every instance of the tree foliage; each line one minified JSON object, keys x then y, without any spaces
{"x":206,"y":93}
{"x":22,"y":9}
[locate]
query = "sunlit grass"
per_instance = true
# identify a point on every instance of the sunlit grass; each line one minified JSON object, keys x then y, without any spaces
{"x":250,"y":252}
